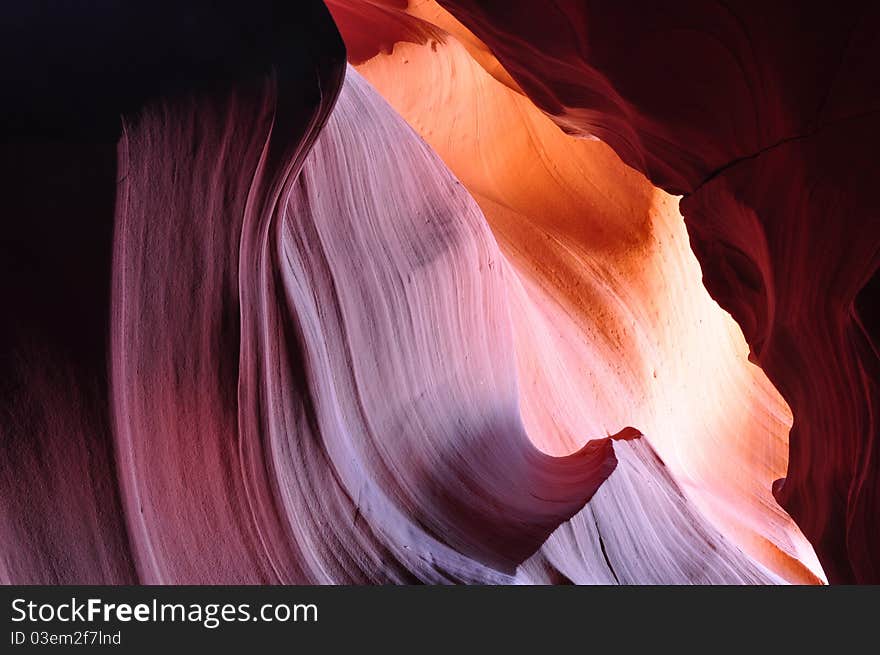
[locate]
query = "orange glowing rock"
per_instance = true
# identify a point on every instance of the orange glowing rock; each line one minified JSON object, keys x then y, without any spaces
{"x":613,"y":324}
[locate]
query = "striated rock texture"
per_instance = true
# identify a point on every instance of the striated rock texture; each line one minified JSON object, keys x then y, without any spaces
{"x":272,"y":319}
{"x":616,"y":325}
{"x":368,"y":430}
{"x":65,"y":512}
{"x":311,"y":371}
{"x":765,"y":116}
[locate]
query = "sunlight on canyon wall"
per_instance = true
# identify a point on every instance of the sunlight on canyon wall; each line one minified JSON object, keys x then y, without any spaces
{"x":626,"y":330}
{"x":389,"y":291}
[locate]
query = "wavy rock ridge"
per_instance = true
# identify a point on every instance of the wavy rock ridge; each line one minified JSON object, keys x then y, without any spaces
{"x":300,"y":323}
{"x":715,"y":101}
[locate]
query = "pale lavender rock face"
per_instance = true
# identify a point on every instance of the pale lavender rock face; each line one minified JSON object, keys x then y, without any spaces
{"x":403,"y":331}
{"x":378,"y":434}
{"x":640,"y":529}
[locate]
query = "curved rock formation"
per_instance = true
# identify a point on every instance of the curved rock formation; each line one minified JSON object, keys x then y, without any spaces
{"x":377,"y":436}
{"x":765,"y":116}
{"x":63,"y":516}
{"x":623,"y":318}
{"x":805,"y":305}
{"x":262,"y":330}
